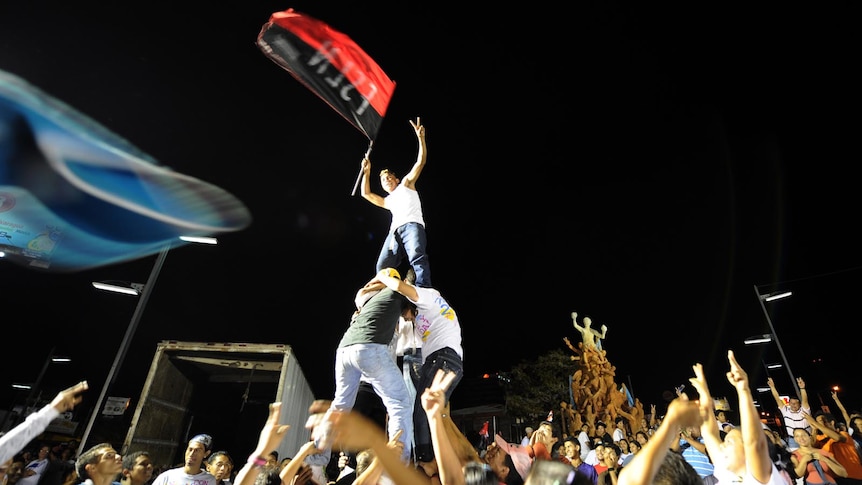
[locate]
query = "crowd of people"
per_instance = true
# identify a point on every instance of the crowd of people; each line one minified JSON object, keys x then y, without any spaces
{"x":692,"y":443}
{"x":404,"y":342}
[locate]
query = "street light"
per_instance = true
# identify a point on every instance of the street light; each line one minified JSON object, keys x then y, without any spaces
{"x":776,"y":295}
{"x":774,"y":336}
{"x":199,"y":239}
{"x":134,"y":289}
{"x":758,"y":339}
{"x":142,"y":291}
{"x":144,"y":295}
{"x":51,"y":359}
{"x":32,"y":397}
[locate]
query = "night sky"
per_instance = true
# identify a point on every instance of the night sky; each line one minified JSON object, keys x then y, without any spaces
{"x":646,"y":166}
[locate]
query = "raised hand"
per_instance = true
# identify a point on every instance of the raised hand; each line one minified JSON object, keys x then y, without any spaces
{"x":699,"y":383}
{"x":736,"y":375}
{"x":418,"y":128}
{"x":67,"y":399}
{"x":272,"y":433}
{"x":434,"y":396}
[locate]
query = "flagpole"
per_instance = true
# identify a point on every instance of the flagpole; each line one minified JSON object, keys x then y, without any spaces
{"x":359,"y":177}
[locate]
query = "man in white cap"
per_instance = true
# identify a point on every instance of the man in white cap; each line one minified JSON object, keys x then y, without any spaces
{"x":193,"y":471}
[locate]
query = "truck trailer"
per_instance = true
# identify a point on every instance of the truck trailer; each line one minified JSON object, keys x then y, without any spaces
{"x":223,"y":390}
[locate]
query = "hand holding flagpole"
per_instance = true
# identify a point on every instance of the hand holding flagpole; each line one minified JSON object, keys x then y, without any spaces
{"x":292,"y":39}
{"x":359,"y":177}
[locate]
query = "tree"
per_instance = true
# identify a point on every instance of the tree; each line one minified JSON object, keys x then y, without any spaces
{"x":536,"y":387}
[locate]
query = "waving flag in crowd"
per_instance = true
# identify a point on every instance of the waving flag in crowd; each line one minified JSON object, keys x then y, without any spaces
{"x":331,"y":65}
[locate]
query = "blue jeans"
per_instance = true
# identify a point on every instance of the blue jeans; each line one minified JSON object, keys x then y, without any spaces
{"x":448,"y":360}
{"x":411,"y":364}
{"x":411,"y":368}
{"x":408,"y":240}
{"x":373,"y":363}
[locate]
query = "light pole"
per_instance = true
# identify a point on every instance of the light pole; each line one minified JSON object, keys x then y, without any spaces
{"x":124,"y":345}
{"x":771,"y":297}
{"x":48,"y":361}
{"x":142,"y":291}
{"x":32,"y":398}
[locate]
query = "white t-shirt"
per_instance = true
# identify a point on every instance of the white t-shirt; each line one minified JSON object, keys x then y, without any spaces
{"x":178,"y":476}
{"x":794,"y":420}
{"x":726,"y":477}
{"x":591,"y":459}
{"x":436,"y":323}
{"x":584,"y":440}
{"x":405,"y":206}
{"x":37,"y":466}
{"x":405,"y":337}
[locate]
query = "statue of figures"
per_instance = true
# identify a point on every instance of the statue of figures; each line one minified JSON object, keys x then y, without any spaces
{"x":592,"y":338}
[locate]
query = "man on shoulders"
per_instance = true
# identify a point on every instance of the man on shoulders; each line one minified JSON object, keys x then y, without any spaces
{"x":407,"y":229}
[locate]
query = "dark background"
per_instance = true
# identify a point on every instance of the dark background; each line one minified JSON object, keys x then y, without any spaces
{"x":643,"y":165}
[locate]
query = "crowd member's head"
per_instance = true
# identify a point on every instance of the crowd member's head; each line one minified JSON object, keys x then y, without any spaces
{"x":826,"y":419}
{"x":856,"y":424}
{"x":674,"y":470}
{"x":545,"y":472}
{"x":478,"y":473}
{"x":14,"y":469}
{"x":220,"y":465}
{"x":571,"y":448}
{"x":611,"y":455}
{"x":272,"y":459}
{"x":510,"y":463}
{"x":198,"y":450}
{"x":601,"y":429}
{"x":137,"y":468}
{"x":101,"y":464}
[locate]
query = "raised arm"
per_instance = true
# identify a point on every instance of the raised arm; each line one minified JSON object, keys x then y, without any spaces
{"x":681,"y":413}
{"x":372,"y":474}
{"x":288,"y":473}
{"x":709,"y":426}
{"x":411,"y":178}
{"x":365,"y":186}
{"x":757,"y":459}
{"x":18,"y":437}
{"x":778,"y":401}
{"x":829,"y":432}
{"x":270,"y":436}
{"x":652,"y":420}
{"x":434,"y":404}
{"x":353,"y":431}
{"x":842,"y":408}
{"x":803,"y":394}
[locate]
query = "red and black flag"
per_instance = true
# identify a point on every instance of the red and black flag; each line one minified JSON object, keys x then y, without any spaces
{"x":330,"y":64}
